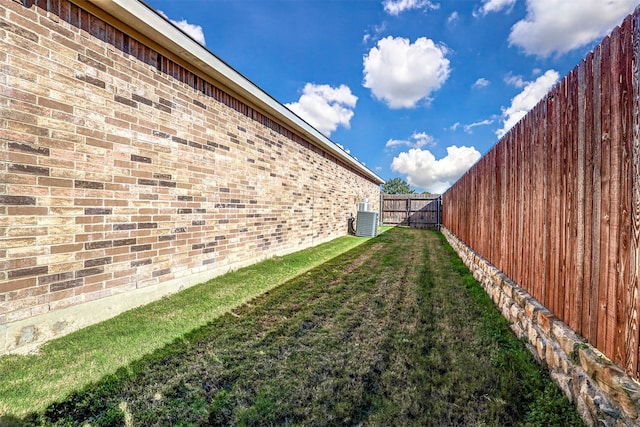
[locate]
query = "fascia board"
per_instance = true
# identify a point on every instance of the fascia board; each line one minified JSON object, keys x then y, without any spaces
{"x":148,"y":22}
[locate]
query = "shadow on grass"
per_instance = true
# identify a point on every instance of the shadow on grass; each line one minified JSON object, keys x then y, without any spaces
{"x":10,"y":421}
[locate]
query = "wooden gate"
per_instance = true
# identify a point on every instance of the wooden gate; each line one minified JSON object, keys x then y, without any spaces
{"x":413,"y":210}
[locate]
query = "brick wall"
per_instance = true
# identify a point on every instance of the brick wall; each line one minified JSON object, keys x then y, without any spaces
{"x":125,"y":175}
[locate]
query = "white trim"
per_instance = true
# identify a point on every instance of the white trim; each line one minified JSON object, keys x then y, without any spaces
{"x":148,"y":22}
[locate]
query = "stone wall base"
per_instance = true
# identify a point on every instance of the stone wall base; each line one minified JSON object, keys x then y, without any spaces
{"x":602,"y":392}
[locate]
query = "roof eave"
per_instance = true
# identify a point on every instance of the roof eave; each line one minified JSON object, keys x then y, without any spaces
{"x":144,"y":19}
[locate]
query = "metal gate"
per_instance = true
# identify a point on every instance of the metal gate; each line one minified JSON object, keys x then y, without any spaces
{"x":413,"y":210}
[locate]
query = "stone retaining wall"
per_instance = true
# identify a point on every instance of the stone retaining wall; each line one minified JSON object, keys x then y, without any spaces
{"x":602,"y":392}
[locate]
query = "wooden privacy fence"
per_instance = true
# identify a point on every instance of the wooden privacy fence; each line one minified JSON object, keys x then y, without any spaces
{"x":414,"y":210}
{"x":555,"y":205}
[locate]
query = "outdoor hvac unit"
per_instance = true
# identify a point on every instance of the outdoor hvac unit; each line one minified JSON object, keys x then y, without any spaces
{"x":367,"y":224}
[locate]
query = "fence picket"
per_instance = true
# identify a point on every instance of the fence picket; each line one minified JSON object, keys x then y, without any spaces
{"x":632,"y":330}
{"x":626,"y":90}
{"x":555,"y":204}
{"x":615,"y":199}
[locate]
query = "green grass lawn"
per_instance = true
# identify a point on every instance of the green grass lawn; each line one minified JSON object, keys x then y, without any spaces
{"x":31,"y":383}
{"x":394,"y":331}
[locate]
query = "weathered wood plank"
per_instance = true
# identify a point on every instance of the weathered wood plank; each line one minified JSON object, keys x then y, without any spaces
{"x":589,"y":193}
{"x":546,"y":194}
{"x":626,"y":90}
{"x":633,"y":289}
{"x":523,"y":200}
{"x":561,"y":171}
{"x":604,"y":323}
{"x":538,"y":225}
{"x":594,"y":290}
{"x":621,"y":354}
{"x":512,"y":192}
{"x":614,"y":265}
{"x":579,"y":306}
{"x":572,"y":200}
{"x":528,"y":195}
{"x":555,"y":217}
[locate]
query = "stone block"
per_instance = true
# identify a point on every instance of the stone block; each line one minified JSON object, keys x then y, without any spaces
{"x":621,"y":388}
{"x":565,"y":382}
{"x":545,"y":320}
{"x":541,"y":348}
{"x":514,"y":313}
{"x":590,"y":360}
{"x":517,"y":329}
{"x":565,"y":337}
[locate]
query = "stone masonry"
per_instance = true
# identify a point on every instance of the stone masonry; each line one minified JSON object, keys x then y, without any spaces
{"x":126,"y":174}
{"x":603,"y":393}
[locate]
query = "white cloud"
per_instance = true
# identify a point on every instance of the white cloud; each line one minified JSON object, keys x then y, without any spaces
{"x":402,"y":73}
{"x":469,"y":128}
{"x":395,"y":7}
{"x":532,"y":93}
{"x":417,"y":140}
{"x":325,"y":107}
{"x":342,"y":147}
{"x":422,"y":139}
{"x":481,"y":82}
{"x":397,"y":142}
{"x":193,"y":31}
{"x":495,"y":6}
{"x":377,"y":31}
{"x":560,"y":25}
{"x":424,"y":171}
{"x":453,"y":17}
{"x":516,"y":81}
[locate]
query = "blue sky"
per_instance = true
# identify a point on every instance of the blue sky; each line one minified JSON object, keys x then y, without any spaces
{"x":416,"y":89}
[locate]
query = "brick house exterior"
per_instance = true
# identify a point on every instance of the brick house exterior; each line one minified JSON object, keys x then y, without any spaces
{"x":136,"y":163}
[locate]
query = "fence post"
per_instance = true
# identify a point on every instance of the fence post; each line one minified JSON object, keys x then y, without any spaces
{"x":408,"y":205}
{"x":633,"y":318}
{"x":439,"y":211}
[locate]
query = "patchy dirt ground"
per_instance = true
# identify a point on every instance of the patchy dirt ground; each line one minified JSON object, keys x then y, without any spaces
{"x":394,"y":332}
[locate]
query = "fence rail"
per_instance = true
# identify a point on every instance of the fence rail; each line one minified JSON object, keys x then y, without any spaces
{"x":413,"y":210}
{"x":555,"y":205}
